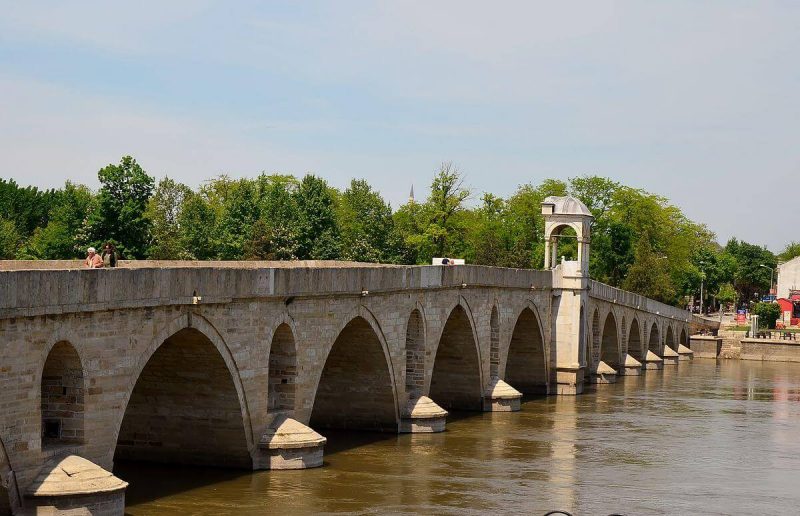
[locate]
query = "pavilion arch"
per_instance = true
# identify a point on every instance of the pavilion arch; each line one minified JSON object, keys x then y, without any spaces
{"x":62,"y":396}
{"x":415,"y":353}
{"x":356,"y":388}
{"x":654,"y":342}
{"x":526,"y":360}
{"x":281,"y":390}
{"x":635,"y":348}
{"x":456,"y":379}
{"x":494,"y":343}
{"x":189,"y":373}
{"x":610,"y":342}
{"x":670,"y":339}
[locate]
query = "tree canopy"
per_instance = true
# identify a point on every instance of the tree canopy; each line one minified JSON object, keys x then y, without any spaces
{"x":640,"y":241}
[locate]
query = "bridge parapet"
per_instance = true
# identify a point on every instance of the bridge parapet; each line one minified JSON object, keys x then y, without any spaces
{"x":26,"y":292}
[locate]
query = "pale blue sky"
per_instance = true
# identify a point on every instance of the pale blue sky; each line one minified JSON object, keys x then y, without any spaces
{"x":696,"y":101}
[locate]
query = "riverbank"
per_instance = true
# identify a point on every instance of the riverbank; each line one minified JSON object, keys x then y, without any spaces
{"x":735,"y":345}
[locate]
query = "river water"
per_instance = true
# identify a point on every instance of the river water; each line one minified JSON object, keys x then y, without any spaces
{"x":704,"y":437}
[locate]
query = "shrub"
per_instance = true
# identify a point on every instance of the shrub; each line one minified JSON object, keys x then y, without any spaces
{"x":767,"y":313}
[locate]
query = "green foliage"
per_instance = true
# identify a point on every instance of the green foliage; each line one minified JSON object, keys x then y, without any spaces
{"x":726,"y":293}
{"x":768,"y":314}
{"x":120,"y":205}
{"x":164,"y":213}
{"x":367,"y":228}
{"x":751,"y":268}
{"x":318,"y":232}
{"x":9,"y":239}
{"x":792,"y":250}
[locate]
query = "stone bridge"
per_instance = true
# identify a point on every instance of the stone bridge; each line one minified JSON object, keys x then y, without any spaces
{"x":240,"y":364}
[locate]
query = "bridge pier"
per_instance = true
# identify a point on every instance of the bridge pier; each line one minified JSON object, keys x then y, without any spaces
{"x":653,"y":361}
{"x":501,"y":397}
{"x":289,"y":444}
{"x":423,"y":416}
{"x":670,"y":356}
{"x":630,"y":366}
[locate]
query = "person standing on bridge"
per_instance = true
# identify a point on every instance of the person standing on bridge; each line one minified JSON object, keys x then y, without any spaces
{"x":93,"y":260}
{"x":109,"y":255}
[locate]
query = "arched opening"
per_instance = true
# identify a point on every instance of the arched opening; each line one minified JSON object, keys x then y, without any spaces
{"x":456,"y":380}
{"x":582,"y":331}
{"x":282,"y":371}
{"x":635,"y":341}
{"x":355,"y":390}
{"x":595,"y":355}
{"x":5,"y":482}
{"x":185,"y":408}
{"x":623,"y":343}
{"x":654,"y":344}
{"x":671,"y":339}
{"x":415,"y":356}
{"x":683,"y":340}
{"x":609,"y":348}
{"x":526,"y":368}
{"x":494,"y":348}
{"x":564,"y":243}
{"x":62,"y":397}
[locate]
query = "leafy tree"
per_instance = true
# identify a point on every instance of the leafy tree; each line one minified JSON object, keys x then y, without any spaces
{"x":197,"y":221}
{"x":792,"y":250}
{"x":9,"y":239}
{"x":318,"y":233}
{"x":164,"y":211}
{"x":275,"y":236}
{"x":768,"y":314}
{"x":749,"y":275}
{"x":726,"y":294}
{"x":367,"y":227}
{"x":648,"y":276}
{"x":120,"y":206}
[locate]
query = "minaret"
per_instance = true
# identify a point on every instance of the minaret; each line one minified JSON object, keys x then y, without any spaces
{"x":411,"y":195}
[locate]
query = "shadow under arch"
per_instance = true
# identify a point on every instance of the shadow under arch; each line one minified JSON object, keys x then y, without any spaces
{"x":683,"y":340}
{"x":594,"y":354}
{"x":635,"y":340}
{"x":456,"y":379}
{"x":185,"y":403}
{"x":654,"y":343}
{"x":282,"y":376}
{"x":62,"y":396}
{"x":356,"y":388}
{"x":415,"y":353}
{"x":610,"y":342}
{"x":494,"y":342}
{"x":526,"y":360}
{"x":670,"y":339}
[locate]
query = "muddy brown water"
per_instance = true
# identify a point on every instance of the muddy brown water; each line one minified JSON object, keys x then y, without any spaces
{"x":705,"y":437}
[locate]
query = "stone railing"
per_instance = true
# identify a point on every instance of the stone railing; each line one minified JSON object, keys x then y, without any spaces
{"x":26,"y":292}
{"x":608,"y":293}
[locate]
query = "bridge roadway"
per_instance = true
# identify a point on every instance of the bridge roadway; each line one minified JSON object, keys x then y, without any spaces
{"x":240,"y":364}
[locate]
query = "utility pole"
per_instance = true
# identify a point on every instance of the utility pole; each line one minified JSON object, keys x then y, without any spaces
{"x":771,"y":276}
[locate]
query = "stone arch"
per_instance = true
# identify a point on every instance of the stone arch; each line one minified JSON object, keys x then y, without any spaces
{"x":635,"y":341}
{"x":62,"y":396}
{"x":526,"y":361}
{"x":654,"y":342}
{"x":683,"y":339}
{"x":670,"y":339}
{"x":8,"y":494}
{"x":282,"y":371}
{"x":609,"y":346}
{"x":494,"y":343}
{"x":456,"y":381}
{"x":356,"y":387}
{"x":623,"y":336}
{"x":415,"y":354}
{"x":595,"y":354}
{"x":189,"y":373}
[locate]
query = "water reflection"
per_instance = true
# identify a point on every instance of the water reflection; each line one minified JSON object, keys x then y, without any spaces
{"x":702,"y":437}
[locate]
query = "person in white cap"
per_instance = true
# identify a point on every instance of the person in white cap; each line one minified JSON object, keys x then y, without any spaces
{"x":93,"y":260}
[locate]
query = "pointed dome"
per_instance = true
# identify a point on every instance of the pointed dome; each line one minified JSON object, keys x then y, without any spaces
{"x":424,"y":408}
{"x":498,"y":389}
{"x":567,"y":206}
{"x":631,"y":362}
{"x":73,"y":475}
{"x":285,"y":432}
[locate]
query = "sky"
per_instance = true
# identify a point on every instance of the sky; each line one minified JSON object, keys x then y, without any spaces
{"x":696,"y":101}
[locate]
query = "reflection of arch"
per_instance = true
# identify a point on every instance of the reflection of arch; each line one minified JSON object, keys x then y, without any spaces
{"x":201,"y":325}
{"x":670,"y":339}
{"x":526,"y":364}
{"x":63,"y":389}
{"x":456,"y":380}
{"x":185,"y":408}
{"x":654,"y":344}
{"x":356,"y":387}
{"x":415,"y":355}
{"x":609,"y":346}
{"x":494,"y":339}
{"x":282,"y":371}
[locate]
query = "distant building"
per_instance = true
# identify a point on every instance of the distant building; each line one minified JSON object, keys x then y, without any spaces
{"x":788,"y":277}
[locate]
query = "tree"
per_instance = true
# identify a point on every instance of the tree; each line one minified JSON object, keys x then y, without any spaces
{"x":648,"y":275}
{"x":768,"y":314}
{"x":444,"y":204}
{"x":726,"y":294}
{"x":792,"y":250}
{"x":197,"y":221}
{"x":366,"y":224}
{"x":275,"y":236}
{"x":318,"y":232}
{"x":120,"y":206}
{"x":9,"y":239}
{"x":749,"y":275}
{"x":164,"y":212}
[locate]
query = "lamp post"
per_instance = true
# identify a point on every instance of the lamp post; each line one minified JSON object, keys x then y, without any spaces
{"x":702,"y":280}
{"x":771,"y":276}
